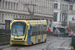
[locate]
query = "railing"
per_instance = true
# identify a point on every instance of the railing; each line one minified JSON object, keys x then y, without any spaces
{"x":4,"y":36}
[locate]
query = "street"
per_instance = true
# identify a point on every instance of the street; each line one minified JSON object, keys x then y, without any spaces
{"x":52,"y":43}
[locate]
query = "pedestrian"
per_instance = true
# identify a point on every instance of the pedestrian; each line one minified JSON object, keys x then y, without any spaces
{"x":57,"y":32}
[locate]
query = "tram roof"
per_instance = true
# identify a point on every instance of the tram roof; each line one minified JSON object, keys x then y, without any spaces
{"x":28,"y":19}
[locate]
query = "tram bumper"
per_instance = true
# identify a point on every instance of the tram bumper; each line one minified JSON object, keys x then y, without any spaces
{"x":15,"y":42}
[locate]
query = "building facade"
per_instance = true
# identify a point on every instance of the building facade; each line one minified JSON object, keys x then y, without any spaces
{"x":71,"y":14}
{"x":61,"y":11}
{"x":22,"y":9}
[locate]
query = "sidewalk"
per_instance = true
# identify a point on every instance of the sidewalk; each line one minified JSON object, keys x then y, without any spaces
{"x":4,"y":46}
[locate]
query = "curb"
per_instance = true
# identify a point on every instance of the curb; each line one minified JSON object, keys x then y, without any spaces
{"x":5,"y":46}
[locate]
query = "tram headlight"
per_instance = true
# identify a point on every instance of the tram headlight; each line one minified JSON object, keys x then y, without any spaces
{"x":12,"y":39}
{"x":23,"y":39}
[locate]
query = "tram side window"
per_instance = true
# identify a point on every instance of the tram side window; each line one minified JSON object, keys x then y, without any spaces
{"x":44,"y":28}
{"x":39,"y":30}
{"x":33,"y":29}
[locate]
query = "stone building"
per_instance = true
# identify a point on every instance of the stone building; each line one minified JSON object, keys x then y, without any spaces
{"x":62,"y":9}
{"x":11,"y":9}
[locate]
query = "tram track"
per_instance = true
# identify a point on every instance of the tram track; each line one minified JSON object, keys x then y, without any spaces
{"x":12,"y":47}
{"x":54,"y":40}
{"x":64,"y":43}
{"x":61,"y":44}
{"x":4,"y":47}
{"x":51,"y":40}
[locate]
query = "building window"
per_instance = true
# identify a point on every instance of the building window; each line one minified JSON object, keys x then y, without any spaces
{"x":2,"y":17}
{"x":13,"y":16}
{"x":11,"y":5}
{"x":0,"y":4}
{"x":6,"y":4}
{"x":50,"y":23}
{"x":55,"y":16}
{"x":71,"y":7}
{"x":3,"y":4}
{"x":16,"y":16}
{"x":64,"y":17}
{"x":67,"y":7}
{"x":55,"y":6}
{"x":63,"y":7}
{"x":24,"y":7}
{"x":16,"y":6}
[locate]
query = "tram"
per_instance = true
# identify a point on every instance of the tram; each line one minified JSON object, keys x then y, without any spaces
{"x":28,"y":32}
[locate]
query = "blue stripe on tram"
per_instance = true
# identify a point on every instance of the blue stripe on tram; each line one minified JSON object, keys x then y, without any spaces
{"x":42,"y":32}
{"x":29,"y":37}
{"x":36,"y":34}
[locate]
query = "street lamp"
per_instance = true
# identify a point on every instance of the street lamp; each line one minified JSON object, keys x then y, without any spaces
{"x":31,"y":12}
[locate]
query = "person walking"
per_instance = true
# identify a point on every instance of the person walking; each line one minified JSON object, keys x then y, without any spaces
{"x":57,"y":32}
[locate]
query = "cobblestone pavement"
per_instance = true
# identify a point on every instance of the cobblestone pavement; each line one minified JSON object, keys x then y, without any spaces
{"x":52,"y":43}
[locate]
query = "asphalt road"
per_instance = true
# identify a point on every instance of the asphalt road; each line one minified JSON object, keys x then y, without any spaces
{"x":52,"y":43}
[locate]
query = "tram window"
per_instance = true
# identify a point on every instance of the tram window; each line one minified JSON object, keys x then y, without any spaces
{"x":39,"y":29}
{"x":33,"y":29}
{"x":33,"y":34}
{"x":44,"y":28}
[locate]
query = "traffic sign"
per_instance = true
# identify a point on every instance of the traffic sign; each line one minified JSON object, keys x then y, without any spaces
{"x":71,"y":32}
{"x":67,"y":29}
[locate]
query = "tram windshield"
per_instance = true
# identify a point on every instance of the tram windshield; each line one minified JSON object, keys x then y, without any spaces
{"x":18,"y":30}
